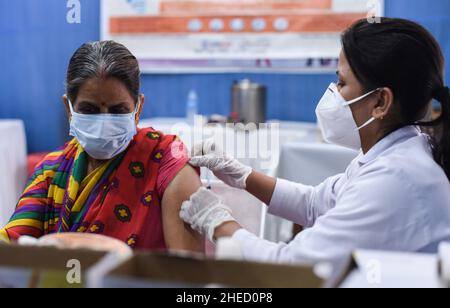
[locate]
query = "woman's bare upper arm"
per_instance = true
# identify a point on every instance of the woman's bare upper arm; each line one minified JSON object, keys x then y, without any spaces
{"x":177,"y":234}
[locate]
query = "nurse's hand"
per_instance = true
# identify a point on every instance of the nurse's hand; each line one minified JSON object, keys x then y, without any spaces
{"x":204,"y":212}
{"x":208,"y":154}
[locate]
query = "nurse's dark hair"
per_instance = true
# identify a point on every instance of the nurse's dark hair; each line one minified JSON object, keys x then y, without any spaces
{"x":105,"y":59}
{"x":403,"y":56}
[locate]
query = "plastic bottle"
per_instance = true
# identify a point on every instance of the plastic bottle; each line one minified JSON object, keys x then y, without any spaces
{"x":192,"y":107}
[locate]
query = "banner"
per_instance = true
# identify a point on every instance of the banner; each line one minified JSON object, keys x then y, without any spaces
{"x":233,"y":35}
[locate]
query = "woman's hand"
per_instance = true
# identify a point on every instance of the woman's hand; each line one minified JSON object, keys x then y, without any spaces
{"x":205,"y":211}
{"x":208,"y":154}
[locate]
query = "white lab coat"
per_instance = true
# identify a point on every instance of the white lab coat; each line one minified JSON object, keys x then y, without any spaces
{"x":393,"y":198}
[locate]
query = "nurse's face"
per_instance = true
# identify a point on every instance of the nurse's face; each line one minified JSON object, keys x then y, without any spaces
{"x":350,"y":88}
{"x":109,"y":95}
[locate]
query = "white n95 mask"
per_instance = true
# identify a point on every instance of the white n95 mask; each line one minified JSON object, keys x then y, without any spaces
{"x":336,"y":120}
{"x":103,"y":136}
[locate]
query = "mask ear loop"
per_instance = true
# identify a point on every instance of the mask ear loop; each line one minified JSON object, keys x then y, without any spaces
{"x":70,"y":106}
{"x":138,"y":105}
{"x":355,"y":100}
{"x":366,"y":124}
{"x":371,"y":120}
{"x":72,"y":112}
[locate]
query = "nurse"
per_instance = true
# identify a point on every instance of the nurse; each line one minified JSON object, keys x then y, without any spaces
{"x":394,"y":196}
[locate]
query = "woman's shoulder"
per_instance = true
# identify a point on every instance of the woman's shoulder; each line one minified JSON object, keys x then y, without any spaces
{"x":155,"y":139}
{"x":404,"y":174}
{"x":168,"y":152}
{"x":159,"y":147}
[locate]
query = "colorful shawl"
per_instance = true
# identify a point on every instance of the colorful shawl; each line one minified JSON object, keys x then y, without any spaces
{"x":118,"y":199}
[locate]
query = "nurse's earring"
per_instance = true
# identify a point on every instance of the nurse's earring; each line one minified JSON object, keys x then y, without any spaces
{"x":384,"y":104}
{"x":379,"y":117}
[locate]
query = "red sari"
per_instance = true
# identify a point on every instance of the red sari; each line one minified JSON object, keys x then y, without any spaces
{"x":120,"y":199}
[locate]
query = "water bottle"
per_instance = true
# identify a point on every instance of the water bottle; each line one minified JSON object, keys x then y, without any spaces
{"x":192,"y":107}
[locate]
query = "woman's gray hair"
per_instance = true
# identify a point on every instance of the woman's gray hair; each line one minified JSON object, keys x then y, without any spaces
{"x":105,"y":59}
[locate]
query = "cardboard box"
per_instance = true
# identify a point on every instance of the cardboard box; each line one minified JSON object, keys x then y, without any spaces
{"x":156,"y":270}
{"x":41,"y":267}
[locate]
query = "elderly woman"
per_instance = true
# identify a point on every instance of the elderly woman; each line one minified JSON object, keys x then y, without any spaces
{"x":111,"y":178}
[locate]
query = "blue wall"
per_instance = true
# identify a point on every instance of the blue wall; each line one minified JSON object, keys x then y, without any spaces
{"x":37,"y":42}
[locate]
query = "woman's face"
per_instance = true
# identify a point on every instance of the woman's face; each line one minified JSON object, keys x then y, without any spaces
{"x":350,"y":88}
{"x":109,"y":95}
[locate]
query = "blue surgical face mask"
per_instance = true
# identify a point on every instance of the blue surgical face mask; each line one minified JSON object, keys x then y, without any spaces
{"x":103,"y":136}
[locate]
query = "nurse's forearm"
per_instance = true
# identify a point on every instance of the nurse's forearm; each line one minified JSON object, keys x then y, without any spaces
{"x":226,"y":229}
{"x":261,"y":186}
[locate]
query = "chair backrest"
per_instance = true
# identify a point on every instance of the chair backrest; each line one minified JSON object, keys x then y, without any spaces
{"x":13,"y":166}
